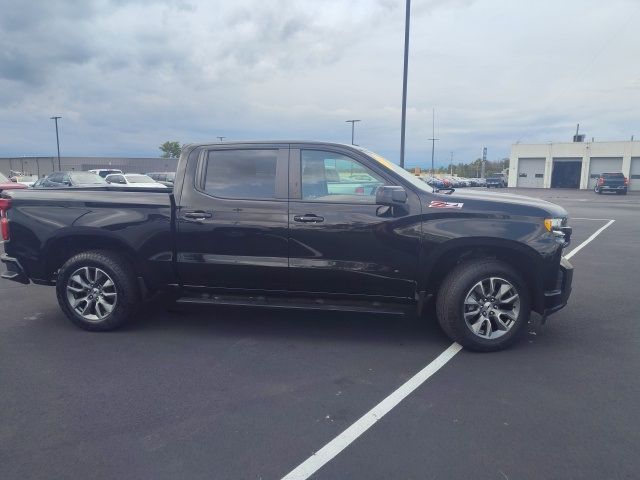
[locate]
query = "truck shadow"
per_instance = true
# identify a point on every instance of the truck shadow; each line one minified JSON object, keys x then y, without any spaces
{"x":299,"y":324}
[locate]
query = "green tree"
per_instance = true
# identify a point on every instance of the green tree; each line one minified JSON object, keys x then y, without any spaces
{"x":170,"y":149}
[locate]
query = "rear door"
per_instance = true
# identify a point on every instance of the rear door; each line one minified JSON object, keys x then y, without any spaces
{"x":341,"y":242}
{"x":232,"y":220}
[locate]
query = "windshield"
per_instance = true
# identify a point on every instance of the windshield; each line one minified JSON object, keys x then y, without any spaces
{"x":140,"y":179}
{"x":86,"y":178}
{"x":3,"y":179}
{"x":415,"y":181}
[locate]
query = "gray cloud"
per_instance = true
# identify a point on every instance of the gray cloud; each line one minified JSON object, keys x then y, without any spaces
{"x":128,"y":75}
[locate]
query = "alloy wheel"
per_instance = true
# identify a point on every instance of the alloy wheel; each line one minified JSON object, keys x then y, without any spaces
{"x":91,"y":293}
{"x":491,"y":307}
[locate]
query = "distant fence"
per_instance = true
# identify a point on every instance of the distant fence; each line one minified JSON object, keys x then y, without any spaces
{"x":41,"y":166}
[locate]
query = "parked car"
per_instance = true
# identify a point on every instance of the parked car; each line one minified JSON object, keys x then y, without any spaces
{"x":165,"y":178}
{"x":612,"y":182}
{"x":254,"y":224}
{"x":434,"y":182}
{"x":70,"y":179}
{"x":497,"y":180}
{"x":103,"y":172}
{"x":27,"y":180}
{"x":6,"y":184}
{"x":133,"y":180}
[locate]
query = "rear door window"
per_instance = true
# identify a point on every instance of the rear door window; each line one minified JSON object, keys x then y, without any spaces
{"x":241,"y":173}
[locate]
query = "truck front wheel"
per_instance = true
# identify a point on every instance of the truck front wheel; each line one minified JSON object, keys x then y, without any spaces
{"x":484,"y":305}
{"x":97,"y":290}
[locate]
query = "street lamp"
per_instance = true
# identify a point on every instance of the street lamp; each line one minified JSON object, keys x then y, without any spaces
{"x":404,"y":80}
{"x":352,"y":122}
{"x":433,"y":140}
{"x":55,"y":119}
{"x":221,"y":139}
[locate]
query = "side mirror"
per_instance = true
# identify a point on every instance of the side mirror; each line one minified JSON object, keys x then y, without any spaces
{"x":390,"y":195}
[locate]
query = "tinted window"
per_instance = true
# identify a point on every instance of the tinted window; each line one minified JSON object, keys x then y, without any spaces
{"x":55,"y":178}
{"x":116,"y":179}
{"x":241,"y":173}
{"x":613,"y":175}
{"x":86,"y":178}
{"x":328,"y":176}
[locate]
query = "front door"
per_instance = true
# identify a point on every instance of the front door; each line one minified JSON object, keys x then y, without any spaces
{"x":341,"y":242}
{"x":232,"y":223}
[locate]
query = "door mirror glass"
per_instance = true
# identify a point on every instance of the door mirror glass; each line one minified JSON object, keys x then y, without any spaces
{"x":390,"y":195}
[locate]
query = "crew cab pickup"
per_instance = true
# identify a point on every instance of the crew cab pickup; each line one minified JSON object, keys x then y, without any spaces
{"x":257,"y":224}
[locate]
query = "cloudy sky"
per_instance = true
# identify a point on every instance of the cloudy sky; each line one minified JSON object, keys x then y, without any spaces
{"x":128,"y":75}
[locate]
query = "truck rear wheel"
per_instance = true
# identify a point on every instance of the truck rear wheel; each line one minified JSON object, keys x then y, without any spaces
{"x":484,"y":305}
{"x":97,"y":290}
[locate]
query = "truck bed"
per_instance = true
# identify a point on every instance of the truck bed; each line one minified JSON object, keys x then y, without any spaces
{"x":46,"y":223}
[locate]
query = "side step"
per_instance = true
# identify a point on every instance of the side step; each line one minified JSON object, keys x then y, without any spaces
{"x":296,"y":303}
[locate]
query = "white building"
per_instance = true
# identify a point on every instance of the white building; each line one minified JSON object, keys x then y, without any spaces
{"x":572,"y":165}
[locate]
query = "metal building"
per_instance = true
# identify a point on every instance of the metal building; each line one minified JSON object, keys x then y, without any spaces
{"x":41,"y":166}
{"x":572,"y":165}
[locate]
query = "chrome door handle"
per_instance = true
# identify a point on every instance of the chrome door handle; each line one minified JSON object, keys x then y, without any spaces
{"x":308,"y":218}
{"x":197,"y":215}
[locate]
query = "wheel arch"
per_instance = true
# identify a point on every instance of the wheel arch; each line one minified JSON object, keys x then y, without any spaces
{"x":523,"y":258}
{"x":62,"y":247}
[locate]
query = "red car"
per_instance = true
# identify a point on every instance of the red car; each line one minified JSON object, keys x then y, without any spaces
{"x":6,"y":184}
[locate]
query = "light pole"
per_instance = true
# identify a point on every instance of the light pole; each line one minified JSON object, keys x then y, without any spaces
{"x":353,"y":123}
{"x":404,"y":80}
{"x":451,"y":163}
{"x":221,"y":138}
{"x":55,"y":119}
{"x":433,"y":140}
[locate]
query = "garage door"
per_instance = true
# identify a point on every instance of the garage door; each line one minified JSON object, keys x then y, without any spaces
{"x":600,"y":165}
{"x":634,"y":176}
{"x":531,"y":172}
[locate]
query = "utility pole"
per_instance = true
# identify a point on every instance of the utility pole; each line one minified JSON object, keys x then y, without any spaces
{"x":55,"y":119}
{"x":404,"y":80}
{"x":433,"y":140}
{"x":451,"y":163}
{"x":221,"y":138}
{"x":353,"y":123}
{"x":484,"y":161}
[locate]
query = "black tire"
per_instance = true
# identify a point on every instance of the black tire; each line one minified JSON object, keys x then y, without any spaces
{"x":452,"y":295}
{"x":120,"y":272}
{"x":597,"y":190}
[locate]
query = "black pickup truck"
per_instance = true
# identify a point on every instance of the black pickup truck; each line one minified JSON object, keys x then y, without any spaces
{"x":259,"y":224}
{"x":612,"y":182}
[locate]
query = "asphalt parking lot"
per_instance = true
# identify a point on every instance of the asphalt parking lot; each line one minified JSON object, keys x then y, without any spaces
{"x":236,"y":393}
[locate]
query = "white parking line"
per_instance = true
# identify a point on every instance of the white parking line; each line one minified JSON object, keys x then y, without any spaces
{"x":342,"y":441}
{"x":316,"y":461}
{"x":598,"y":219}
{"x":588,"y":240}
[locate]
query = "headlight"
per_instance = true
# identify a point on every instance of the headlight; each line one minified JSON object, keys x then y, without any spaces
{"x":558,"y":227}
{"x":553,"y":224}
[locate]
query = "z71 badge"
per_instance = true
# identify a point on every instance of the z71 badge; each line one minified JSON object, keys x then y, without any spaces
{"x":440,"y":204}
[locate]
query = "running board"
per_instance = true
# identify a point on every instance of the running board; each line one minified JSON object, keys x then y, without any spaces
{"x":296,"y":303}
